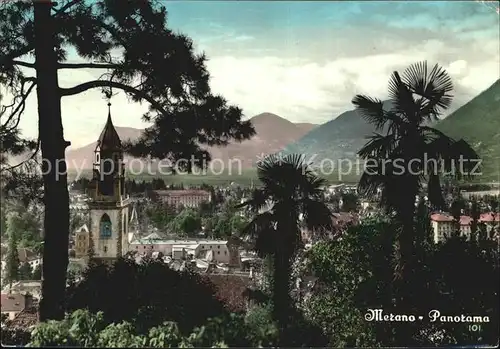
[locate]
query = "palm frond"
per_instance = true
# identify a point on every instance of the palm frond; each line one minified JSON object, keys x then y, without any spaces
{"x":458,"y":157}
{"x":317,"y":216}
{"x":261,"y":222}
{"x":370,"y":109}
{"x":257,"y":201}
{"x":371,"y":180}
{"x":378,"y":146}
{"x":402,"y":98}
{"x":434,"y":86}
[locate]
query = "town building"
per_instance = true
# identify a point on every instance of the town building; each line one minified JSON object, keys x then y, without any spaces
{"x":107,"y":234}
{"x":213,"y":250}
{"x":340,"y":222}
{"x":25,"y":255}
{"x":33,"y":287}
{"x":443,"y":224}
{"x":14,"y":303}
{"x":81,"y":241}
{"x":187,"y":198}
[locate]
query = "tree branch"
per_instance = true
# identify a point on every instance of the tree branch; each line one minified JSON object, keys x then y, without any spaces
{"x":86,"y":65}
{"x":35,"y":152}
{"x":67,"y":6}
{"x":23,"y":64}
{"x":70,"y":65}
{"x":20,"y":107}
{"x":7,"y":59}
{"x":104,"y":83}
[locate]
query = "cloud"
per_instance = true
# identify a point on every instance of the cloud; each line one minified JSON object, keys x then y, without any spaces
{"x":302,"y":90}
{"x":308,"y":70}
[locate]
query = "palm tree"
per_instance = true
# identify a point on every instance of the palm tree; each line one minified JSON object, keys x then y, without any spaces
{"x":404,"y":141}
{"x":291,"y":195}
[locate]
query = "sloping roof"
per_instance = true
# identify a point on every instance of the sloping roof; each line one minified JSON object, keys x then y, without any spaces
{"x":464,"y":220}
{"x":26,"y":318}
{"x":25,"y":255}
{"x":488,"y":217}
{"x":12,"y":302}
{"x":84,"y":228}
{"x":109,"y":138}
{"x":152,"y":236}
{"x":439,"y":217}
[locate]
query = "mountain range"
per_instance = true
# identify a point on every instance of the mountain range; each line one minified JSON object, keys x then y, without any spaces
{"x":478,"y":122}
{"x":273,"y":133}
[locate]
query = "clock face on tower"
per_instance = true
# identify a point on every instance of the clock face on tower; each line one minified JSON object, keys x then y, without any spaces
{"x":105,"y":226}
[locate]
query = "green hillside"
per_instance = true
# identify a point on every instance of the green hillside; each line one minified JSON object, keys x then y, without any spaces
{"x":478,"y":122}
{"x":340,"y":138}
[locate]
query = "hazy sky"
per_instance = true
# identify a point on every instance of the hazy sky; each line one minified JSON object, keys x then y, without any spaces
{"x":306,"y":60}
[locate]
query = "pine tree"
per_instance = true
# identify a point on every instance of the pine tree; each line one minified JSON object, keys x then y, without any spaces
{"x":12,"y":261}
{"x":174,"y":81}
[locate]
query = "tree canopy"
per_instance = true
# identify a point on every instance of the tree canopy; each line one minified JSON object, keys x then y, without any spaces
{"x":131,"y":46}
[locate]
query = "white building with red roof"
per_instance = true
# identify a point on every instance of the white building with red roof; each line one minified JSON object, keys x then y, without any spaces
{"x":443,"y":224}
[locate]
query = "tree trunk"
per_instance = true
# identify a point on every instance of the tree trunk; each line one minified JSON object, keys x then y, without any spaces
{"x":53,"y":145}
{"x":405,"y":264}
{"x":281,"y":294}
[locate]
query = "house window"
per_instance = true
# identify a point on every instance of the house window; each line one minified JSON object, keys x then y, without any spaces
{"x":225,"y":252}
{"x":97,"y":157}
{"x":218,"y":246}
{"x":105,"y":249}
{"x":218,"y":252}
{"x":136,"y":247}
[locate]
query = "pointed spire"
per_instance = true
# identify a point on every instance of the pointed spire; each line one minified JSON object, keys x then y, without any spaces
{"x":109,"y":137}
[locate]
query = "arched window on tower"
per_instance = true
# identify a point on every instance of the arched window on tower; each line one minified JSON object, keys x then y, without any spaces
{"x":105,"y":226}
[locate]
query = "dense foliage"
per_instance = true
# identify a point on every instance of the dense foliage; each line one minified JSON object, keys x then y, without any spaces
{"x":355,"y":274}
{"x":85,"y":329}
{"x":145,"y":294}
{"x":280,"y":207}
{"x":139,"y":55}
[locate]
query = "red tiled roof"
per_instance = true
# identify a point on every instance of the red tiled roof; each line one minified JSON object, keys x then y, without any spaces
{"x":464,"y":220}
{"x":438,"y":217}
{"x":488,"y":217}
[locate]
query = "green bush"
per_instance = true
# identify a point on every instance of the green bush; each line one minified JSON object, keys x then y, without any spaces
{"x":82,"y":328}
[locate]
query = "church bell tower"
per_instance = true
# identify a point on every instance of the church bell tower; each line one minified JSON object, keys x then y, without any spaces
{"x":109,"y":202}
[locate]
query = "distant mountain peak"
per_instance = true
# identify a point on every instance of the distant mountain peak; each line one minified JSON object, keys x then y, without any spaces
{"x":273,"y":134}
{"x":267,"y":117}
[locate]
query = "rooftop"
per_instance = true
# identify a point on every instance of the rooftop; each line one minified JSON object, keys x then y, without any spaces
{"x":13,"y":302}
{"x":464,"y":220}
{"x":144,"y":241}
{"x":187,"y":192}
{"x":109,"y":139}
